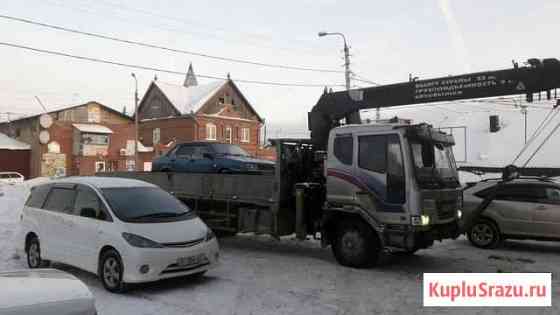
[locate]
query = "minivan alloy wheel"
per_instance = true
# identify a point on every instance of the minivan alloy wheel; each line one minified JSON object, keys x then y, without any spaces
{"x":34,"y":255}
{"x":33,"y":252}
{"x":111,"y":272}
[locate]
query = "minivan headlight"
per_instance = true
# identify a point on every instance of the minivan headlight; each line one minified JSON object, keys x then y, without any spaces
{"x":140,"y":241}
{"x":209,"y":235}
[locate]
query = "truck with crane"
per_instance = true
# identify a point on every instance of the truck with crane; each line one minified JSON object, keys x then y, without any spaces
{"x":361,"y":188}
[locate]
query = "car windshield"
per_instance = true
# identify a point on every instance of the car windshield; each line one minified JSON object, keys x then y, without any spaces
{"x":229,"y":149}
{"x":133,"y":204}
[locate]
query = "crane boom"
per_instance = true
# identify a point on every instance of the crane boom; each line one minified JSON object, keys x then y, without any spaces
{"x":536,"y":77}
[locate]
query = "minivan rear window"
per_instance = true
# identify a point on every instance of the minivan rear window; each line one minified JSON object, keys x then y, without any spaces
{"x":144,"y":204}
{"x":37,"y":196}
{"x":61,"y":200}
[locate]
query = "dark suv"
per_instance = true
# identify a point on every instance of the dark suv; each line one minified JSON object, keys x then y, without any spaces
{"x":209,"y":157}
{"x":525,"y":208}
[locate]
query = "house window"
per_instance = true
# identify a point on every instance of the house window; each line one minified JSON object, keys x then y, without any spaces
{"x":221,"y":100}
{"x":228,"y":135}
{"x":210,"y":131}
{"x":95,"y":139}
{"x":245,"y":135}
{"x":156,"y":135}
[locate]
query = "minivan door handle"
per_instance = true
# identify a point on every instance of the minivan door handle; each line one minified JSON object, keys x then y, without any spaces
{"x":540,"y":208}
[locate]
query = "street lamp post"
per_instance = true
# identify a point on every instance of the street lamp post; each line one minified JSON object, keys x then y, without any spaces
{"x":352,"y":118}
{"x":136,"y":158}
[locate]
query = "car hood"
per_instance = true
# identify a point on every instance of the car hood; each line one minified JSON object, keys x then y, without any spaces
{"x":170,"y":232}
{"x":37,"y":287}
{"x":247,"y":159}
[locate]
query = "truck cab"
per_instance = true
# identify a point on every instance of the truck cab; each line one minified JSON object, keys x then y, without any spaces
{"x":399,"y":180}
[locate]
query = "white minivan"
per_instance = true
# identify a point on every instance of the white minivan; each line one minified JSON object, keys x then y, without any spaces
{"x":123,"y":230}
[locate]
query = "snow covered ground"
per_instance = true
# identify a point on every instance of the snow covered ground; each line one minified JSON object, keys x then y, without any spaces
{"x":259,"y":275}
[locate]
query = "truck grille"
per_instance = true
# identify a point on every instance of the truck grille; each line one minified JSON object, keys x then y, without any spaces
{"x":446,"y":209}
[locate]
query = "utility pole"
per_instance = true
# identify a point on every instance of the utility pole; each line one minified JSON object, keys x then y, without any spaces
{"x":352,"y":118}
{"x":136,"y":157}
{"x":524,"y":112}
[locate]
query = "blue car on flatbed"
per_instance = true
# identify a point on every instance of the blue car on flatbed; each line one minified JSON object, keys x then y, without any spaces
{"x":210,"y":157}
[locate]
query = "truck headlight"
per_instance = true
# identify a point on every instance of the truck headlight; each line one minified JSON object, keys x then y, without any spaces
{"x":140,"y":241}
{"x":420,"y":220}
{"x":459,"y":213}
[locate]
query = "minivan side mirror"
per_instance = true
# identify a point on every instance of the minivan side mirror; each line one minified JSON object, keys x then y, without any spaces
{"x":207,"y":155}
{"x":88,"y":213}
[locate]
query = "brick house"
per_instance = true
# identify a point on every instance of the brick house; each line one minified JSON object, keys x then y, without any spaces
{"x":216,"y":111}
{"x":83,"y":139}
{"x":14,"y":156}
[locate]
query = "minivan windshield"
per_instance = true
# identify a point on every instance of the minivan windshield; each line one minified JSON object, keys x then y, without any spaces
{"x":229,"y":149}
{"x":145,"y":204}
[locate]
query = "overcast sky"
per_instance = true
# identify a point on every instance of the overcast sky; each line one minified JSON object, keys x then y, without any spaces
{"x":389,"y":40}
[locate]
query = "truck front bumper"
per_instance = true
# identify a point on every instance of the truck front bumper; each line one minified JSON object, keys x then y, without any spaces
{"x":426,"y":237}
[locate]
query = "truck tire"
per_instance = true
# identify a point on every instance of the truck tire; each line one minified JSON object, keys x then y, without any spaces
{"x":355,"y":244}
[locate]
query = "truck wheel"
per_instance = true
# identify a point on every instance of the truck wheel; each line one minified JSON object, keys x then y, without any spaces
{"x":484,"y":234}
{"x":355,"y":245}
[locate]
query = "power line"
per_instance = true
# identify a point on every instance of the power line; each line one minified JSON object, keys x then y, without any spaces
{"x":96,"y":13}
{"x":141,"y":67}
{"x":175,"y":50}
{"x":360,"y":78}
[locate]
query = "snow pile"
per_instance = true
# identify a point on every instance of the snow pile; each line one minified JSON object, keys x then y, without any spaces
{"x":11,"y":204}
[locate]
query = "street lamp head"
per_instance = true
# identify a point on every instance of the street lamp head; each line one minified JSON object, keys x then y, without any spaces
{"x":321,"y":34}
{"x":133,"y":75}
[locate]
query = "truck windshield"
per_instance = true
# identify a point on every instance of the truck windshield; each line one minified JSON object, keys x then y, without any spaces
{"x":145,"y":204}
{"x":229,"y":149}
{"x":435,"y":164}
{"x":432,"y":155}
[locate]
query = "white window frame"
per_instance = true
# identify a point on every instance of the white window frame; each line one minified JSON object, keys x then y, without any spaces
{"x":211,"y":131}
{"x":245,"y":135}
{"x":156,"y":135}
{"x":228,"y":134}
{"x":100,"y":166}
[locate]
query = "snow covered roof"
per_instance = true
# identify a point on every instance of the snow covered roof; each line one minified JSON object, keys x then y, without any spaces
{"x":92,"y":128}
{"x":143,"y":148}
{"x":189,"y":99}
{"x":8,"y":143}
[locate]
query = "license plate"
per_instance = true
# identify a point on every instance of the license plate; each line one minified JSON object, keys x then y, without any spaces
{"x":191,"y":260}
